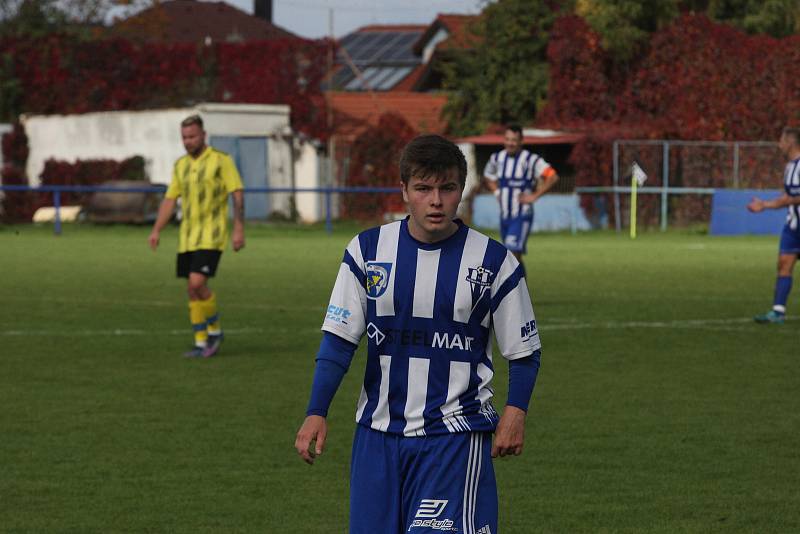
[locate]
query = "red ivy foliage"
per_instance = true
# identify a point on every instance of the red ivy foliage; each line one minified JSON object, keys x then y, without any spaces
{"x":60,"y":74}
{"x":20,"y":206}
{"x":697,"y":80}
{"x":375,"y":163}
{"x":280,"y":71}
{"x":16,"y":205}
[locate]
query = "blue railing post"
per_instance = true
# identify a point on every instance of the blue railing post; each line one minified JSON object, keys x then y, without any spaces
{"x":328,"y":222}
{"x":57,"y":206}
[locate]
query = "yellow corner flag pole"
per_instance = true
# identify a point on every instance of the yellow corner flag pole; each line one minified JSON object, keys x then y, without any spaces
{"x":638,"y":178}
{"x":633,"y":208}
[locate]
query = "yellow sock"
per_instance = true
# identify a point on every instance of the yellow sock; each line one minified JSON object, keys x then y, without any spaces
{"x":211,"y":315}
{"x":198,"y":318}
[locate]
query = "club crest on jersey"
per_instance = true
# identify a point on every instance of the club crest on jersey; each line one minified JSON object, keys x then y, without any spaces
{"x":480,"y":279}
{"x":377,"y":278}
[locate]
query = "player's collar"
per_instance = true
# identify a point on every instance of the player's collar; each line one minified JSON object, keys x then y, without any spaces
{"x":438,"y":244}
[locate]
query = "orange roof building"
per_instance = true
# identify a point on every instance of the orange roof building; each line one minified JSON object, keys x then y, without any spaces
{"x":353,"y":112}
{"x":180,"y":21}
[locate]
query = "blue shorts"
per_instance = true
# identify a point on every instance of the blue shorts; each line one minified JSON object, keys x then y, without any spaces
{"x":422,"y":485}
{"x":790,"y":241}
{"x":514,"y":233}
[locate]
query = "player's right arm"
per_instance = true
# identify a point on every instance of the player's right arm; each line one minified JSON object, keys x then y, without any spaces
{"x":166,"y":208}
{"x":164,"y":215}
{"x":757,"y":205}
{"x":333,"y":361}
{"x":490,"y":175}
{"x":344,"y":325}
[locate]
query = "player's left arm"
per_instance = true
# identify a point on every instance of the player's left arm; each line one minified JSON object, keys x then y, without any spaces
{"x":549,"y":177}
{"x":234,"y":187}
{"x":509,"y":437}
{"x":238,"y":220}
{"x":757,"y":205}
{"x":518,"y":340}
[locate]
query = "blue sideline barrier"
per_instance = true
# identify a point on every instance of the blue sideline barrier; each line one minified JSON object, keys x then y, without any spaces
{"x":58,"y":189}
{"x":552,"y":212}
{"x":729,"y":215}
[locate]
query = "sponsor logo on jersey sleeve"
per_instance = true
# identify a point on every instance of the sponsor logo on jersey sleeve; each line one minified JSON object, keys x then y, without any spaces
{"x":337,"y":314}
{"x":528,"y":330}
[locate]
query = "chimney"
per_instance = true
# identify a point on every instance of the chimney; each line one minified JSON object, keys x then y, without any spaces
{"x":263,"y":9}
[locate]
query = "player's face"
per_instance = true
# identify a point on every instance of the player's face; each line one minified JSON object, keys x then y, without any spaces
{"x":194,"y":139}
{"x":432,"y":203}
{"x":512,"y":142}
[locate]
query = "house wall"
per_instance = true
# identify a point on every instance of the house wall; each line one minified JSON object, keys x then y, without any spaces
{"x":309,"y":205}
{"x":155,"y":135}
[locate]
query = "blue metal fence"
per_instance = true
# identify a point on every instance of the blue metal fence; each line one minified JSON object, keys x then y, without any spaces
{"x":57,"y":190}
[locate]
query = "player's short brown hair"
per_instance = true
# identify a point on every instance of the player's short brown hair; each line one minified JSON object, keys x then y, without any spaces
{"x":794,"y":133}
{"x":516,"y":128}
{"x":192,"y":120}
{"x":434,"y":156}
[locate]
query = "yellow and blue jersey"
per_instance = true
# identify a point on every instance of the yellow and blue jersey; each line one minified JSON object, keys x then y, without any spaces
{"x":203,"y":184}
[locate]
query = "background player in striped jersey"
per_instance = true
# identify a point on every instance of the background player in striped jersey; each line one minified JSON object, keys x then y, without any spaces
{"x":429,"y":293}
{"x":203,"y":179}
{"x":789,"y":248}
{"x":518,"y":178}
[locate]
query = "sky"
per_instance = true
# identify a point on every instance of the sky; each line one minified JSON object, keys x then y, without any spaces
{"x":310,"y":18}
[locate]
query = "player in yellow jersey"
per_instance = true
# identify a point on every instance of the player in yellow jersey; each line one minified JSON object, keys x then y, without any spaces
{"x":203,"y":179}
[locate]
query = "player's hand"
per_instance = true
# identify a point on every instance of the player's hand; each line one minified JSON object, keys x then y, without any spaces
{"x":510,"y":434}
{"x":153,"y":240}
{"x":313,"y":430}
{"x":756,"y":205}
{"x":238,"y":239}
{"x":528,"y":198}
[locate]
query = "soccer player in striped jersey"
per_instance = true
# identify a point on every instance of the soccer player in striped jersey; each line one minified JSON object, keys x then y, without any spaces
{"x":789,"y":248}
{"x":203,"y":179}
{"x":429,"y":293}
{"x":518,"y":178}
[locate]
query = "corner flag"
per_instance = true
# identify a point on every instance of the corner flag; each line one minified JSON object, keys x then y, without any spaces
{"x":638,"y":178}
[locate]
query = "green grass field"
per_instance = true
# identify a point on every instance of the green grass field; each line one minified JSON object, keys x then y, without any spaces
{"x":660,"y":406}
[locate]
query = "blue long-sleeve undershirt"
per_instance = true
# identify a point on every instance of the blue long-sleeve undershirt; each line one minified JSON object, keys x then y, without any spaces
{"x":333,"y":361}
{"x":522,"y":374}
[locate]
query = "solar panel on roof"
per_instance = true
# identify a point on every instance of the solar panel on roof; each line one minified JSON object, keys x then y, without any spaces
{"x":384,"y":57}
{"x":382,"y":74}
{"x":397,"y":75}
{"x":341,"y":78}
{"x":367,"y":75}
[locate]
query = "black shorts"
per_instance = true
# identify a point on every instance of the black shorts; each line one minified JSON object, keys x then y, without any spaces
{"x":198,"y":261}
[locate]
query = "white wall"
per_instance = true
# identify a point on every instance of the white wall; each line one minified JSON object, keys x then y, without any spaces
{"x":4,"y":129}
{"x":155,"y":135}
{"x":309,"y":205}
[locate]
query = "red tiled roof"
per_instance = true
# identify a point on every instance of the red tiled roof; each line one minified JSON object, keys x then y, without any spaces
{"x":355,"y":111}
{"x":408,"y":83}
{"x":458,"y":28}
{"x":192,"y":21}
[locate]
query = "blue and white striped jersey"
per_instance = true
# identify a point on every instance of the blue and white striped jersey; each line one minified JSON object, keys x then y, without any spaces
{"x":515,"y":175}
{"x":429,"y":311}
{"x":791,"y":184}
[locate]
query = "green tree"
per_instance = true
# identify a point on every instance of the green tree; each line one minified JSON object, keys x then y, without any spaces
{"x":503,"y":78}
{"x":36,"y":18}
{"x":626,"y":25}
{"x":779,"y":18}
